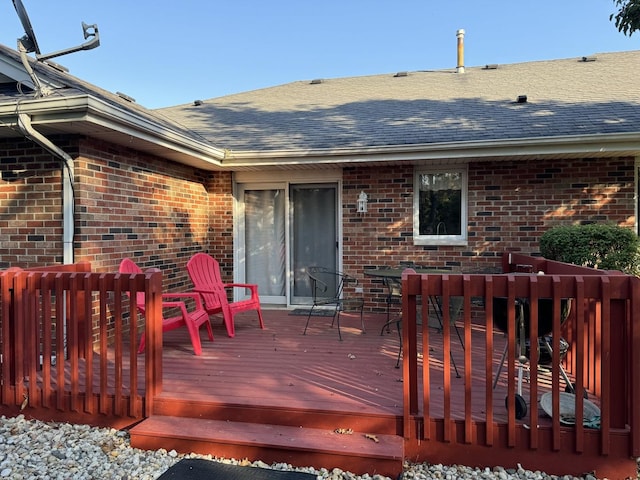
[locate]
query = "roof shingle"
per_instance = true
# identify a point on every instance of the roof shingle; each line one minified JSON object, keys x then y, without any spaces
{"x":564,"y":98}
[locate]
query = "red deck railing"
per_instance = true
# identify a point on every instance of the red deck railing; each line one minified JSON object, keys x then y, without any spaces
{"x":62,"y":337}
{"x":602,"y":329}
{"x":66,"y":337}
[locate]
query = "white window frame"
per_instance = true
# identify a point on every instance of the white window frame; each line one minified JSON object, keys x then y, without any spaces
{"x":461,"y":239}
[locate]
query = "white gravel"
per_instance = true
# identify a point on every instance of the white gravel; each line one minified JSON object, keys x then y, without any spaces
{"x":30,"y":449}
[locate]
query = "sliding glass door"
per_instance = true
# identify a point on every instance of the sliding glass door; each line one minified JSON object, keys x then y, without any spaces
{"x":314,"y":235}
{"x":264,"y":231}
{"x":283,"y":229}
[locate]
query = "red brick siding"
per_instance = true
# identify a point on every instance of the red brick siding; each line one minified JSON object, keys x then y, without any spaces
{"x":511,"y":204}
{"x":30,"y":205}
{"x":220,"y":246}
{"x":133,"y":205}
{"x":160,"y":213}
{"x":126,"y":204}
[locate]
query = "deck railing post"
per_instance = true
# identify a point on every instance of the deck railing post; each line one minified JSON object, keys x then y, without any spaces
{"x":8,"y":321}
{"x":633,"y":344}
{"x":153,"y":317}
{"x":83,"y":321}
{"x":410,"y":289}
{"x":18,"y":355}
{"x":618,"y":373}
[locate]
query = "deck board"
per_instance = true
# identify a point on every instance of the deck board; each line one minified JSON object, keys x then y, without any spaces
{"x":278,"y":366}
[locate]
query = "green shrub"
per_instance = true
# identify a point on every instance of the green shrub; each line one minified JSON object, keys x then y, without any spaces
{"x":606,"y":247}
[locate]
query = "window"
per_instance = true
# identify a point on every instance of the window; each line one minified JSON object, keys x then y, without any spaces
{"x":440,"y":207}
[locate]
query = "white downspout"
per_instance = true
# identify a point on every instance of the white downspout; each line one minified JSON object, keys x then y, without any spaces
{"x":24,"y":122}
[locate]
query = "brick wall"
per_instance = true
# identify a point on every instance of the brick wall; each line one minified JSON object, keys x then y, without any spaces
{"x":156,"y":212}
{"x":159,"y":213}
{"x":30,"y":204}
{"x":510,"y":206}
{"x":127,"y":204}
{"x":220,"y":231}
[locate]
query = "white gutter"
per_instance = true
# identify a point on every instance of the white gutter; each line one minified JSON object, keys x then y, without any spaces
{"x":24,"y":122}
{"x":600,"y":145}
{"x":54,"y":110}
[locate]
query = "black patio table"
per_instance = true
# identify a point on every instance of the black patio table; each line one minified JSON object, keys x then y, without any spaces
{"x":395,"y":274}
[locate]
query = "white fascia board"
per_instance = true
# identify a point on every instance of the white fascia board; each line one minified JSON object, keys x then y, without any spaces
{"x":85,"y":108}
{"x":601,"y":145}
{"x":100,"y":112}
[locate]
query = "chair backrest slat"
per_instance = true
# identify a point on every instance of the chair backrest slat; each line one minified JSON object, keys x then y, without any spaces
{"x":204,"y":271}
{"x":129,"y":266}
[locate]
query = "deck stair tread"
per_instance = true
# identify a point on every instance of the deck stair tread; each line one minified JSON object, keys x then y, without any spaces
{"x":173,"y":405}
{"x":355,"y":444}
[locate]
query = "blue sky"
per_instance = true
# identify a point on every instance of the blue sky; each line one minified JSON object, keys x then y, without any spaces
{"x":167,"y":53}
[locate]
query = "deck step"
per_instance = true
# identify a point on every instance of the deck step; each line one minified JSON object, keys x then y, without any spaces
{"x":378,"y":423}
{"x":299,"y":446}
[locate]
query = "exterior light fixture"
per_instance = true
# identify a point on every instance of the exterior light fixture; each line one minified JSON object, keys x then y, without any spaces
{"x":362,"y":202}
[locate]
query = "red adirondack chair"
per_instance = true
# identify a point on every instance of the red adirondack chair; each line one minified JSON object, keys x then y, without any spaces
{"x":204,"y":271}
{"x":193,"y":320}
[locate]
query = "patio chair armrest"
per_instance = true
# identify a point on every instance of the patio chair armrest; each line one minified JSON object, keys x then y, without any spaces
{"x":180,"y":305}
{"x":197,"y":300}
{"x":172,"y":304}
{"x":348,"y":279}
{"x":250,"y":286}
{"x":319,"y":284}
{"x":191,"y":295}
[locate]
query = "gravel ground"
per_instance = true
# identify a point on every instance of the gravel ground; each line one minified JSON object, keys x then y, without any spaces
{"x":30,"y":449}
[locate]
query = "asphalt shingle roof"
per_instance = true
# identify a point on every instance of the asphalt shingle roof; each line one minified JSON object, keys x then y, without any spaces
{"x":567,"y":97}
{"x":564,"y":98}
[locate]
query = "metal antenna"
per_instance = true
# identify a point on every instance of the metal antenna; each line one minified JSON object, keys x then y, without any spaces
{"x":30,"y":43}
{"x":29,"y":40}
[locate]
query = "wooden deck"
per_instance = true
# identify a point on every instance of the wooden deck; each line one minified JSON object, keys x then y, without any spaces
{"x":279,"y":396}
{"x":280,"y":367}
{"x":274,"y":383}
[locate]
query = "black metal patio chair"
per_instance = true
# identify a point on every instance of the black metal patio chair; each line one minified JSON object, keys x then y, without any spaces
{"x":328,"y":290}
{"x":393,"y":297}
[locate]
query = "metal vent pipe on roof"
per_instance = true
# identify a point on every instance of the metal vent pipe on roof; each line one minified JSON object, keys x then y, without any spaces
{"x":460,"y":36}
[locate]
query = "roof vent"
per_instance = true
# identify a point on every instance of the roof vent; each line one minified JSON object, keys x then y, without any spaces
{"x":402,"y":74}
{"x":491,"y":66}
{"x":588,"y":59}
{"x":316,"y":81}
{"x":521,"y":99}
{"x":197,"y":103}
{"x":57,"y":66}
{"x":126,"y":97}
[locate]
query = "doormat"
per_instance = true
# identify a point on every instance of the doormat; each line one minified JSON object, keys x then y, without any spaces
{"x":304,"y":312}
{"x":200,"y":469}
